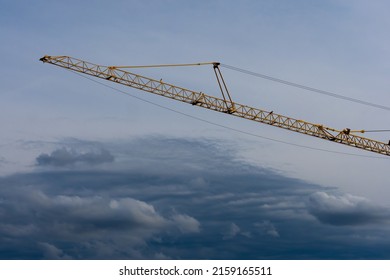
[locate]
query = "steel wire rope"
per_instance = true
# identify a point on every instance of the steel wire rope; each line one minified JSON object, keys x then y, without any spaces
{"x":324,"y":92}
{"x":377,"y":130}
{"x":275,"y":80}
{"x":221,"y":125}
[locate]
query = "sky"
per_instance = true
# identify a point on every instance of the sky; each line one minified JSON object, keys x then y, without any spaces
{"x":87,"y":172}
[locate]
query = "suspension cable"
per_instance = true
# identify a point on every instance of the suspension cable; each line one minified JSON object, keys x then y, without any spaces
{"x":224,"y":126}
{"x":166,"y":65}
{"x":335,"y":95}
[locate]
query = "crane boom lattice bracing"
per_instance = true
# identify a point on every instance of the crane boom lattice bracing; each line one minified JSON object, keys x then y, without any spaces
{"x":117,"y":75}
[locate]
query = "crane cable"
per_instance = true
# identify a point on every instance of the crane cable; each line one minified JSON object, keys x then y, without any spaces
{"x":248,"y":72}
{"x":220,"y":125}
{"x":378,"y":130}
{"x":335,"y":95}
{"x":244,"y":71}
{"x":270,"y":78}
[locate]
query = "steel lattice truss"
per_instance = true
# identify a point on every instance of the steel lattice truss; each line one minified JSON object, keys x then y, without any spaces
{"x":200,"y":99}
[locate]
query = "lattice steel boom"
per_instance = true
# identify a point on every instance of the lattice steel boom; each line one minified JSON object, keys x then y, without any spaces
{"x":225,"y":105}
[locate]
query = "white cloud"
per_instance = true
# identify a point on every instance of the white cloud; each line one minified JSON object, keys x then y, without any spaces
{"x":345,"y":209}
{"x":186,"y":224}
{"x":345,"y":202}
{"x":136,"y":211}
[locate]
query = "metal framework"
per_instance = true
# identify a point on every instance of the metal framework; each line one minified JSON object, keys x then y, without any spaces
{"x":225,"y":105}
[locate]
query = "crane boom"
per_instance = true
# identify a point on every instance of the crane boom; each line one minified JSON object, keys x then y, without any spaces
{"x":118,"y":75}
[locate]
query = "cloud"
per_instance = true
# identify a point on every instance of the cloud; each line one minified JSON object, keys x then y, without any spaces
{"x":65,"y":157}
{"x":345,"y":209}
{"x":52,"y":252}
{"x":267,"y":228}
{"x":232,"y":231}
{"x":105,"y":227}
{"x":179,"y":199}
{"x":186,"y":224}
{"x":18,"y":230}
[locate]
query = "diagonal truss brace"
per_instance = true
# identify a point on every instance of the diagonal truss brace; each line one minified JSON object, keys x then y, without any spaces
{"x":200,"y":99}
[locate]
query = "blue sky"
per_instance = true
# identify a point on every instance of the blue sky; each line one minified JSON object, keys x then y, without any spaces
{"x":60,"y":131}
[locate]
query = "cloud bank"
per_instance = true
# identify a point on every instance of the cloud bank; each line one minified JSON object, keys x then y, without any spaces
{"x":166,"y":198}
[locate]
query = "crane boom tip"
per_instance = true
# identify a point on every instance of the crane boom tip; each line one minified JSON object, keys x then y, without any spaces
{"x":44,"y":58}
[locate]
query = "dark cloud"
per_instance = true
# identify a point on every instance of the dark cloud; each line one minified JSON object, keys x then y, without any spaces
{"x":52,"y":252}
{"x":266,"y":227}
{"x":66,"y":157}
{"x":180,"y":199}
{"x":345,"y":209}
{"x":86,"y":220}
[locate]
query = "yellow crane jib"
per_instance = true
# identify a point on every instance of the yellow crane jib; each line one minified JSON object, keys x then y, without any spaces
{"x":224,"y":105}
